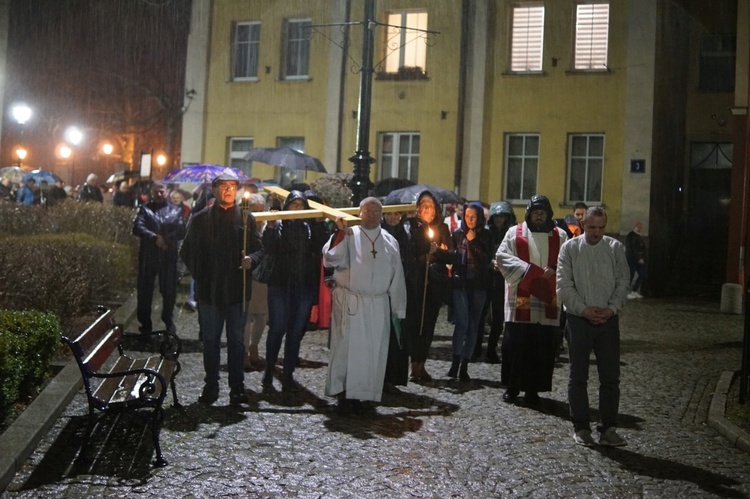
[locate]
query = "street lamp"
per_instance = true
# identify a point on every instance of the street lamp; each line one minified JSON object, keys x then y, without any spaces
{"x":21,"y":153}
{"x":73,"y":136}
{"x":21,"y":113}
{"x":107,"y":149}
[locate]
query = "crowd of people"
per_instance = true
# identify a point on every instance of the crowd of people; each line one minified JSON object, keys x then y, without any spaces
{"x":379,"y":286}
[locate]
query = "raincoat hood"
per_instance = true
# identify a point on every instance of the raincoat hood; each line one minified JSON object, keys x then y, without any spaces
{"x":502,"y":208}
{"x":539,"y":202}
{"x":293,"y":196}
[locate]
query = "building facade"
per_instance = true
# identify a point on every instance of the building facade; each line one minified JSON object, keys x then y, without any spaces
{"x":632,"y":104}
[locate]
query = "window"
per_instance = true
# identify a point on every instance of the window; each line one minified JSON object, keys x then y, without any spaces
{"x":297,"y":49}
{"x":718,"y":54}
{"x":399,"y":155}
{"x":527,"y":38}
{"x":405,"y":48}
{"x":521,"y":165}
{"x":238,"y":147}
{"x":245,"y":51}
{"x":592,"y":32}
{"x":585,"y":168}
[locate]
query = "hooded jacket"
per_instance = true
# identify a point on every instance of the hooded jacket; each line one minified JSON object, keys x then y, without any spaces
{"x":296,"y":246}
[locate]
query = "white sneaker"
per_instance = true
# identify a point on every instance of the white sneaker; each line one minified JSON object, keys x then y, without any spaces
{"x":632,"y":295}
{"x":610,"y":438}
{"x":637,"y":295}
{"x":583,"y":437}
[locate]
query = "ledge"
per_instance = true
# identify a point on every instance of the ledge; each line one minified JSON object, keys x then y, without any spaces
{"x":736,"y":436}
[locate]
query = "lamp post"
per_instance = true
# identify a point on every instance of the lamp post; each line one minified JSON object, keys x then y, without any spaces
{"x":73,"y":136}
{"x":21,"y":113}
{"x":21,"y":153}
{"x":66,"y":152}
{"x":107,"y":149}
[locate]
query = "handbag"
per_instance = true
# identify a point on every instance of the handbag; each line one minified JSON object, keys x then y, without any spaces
{"x":262,"y":273}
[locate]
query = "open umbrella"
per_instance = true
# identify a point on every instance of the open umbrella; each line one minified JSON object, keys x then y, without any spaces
{"x":388,"y":185}
{"x":408,"y":195}
{"x":286,"y":157}
{"x":12,"y":173}
{"x":40,"y":176}
{"x":200,"y":174}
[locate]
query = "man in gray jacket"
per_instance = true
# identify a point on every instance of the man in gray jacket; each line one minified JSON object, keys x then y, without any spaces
{"x":592,"y":284}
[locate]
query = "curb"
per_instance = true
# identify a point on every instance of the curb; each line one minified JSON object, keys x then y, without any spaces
{"x":736,"y":436}
{"x":22,"y":437}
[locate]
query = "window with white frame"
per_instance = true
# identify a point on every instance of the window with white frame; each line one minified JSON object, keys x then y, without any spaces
{"x":521,"y":165}
{"x":592,"y":34}
{"x":238,"y":148}
{"x":527,"y":38}
{"x":405,"y":47}
{"x":297,"y":49}
{"x":585,"y":168}
{"x":245,"y":51}
{"x":399,"y":155}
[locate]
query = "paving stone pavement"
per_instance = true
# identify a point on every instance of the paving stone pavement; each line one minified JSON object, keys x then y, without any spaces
{"x":440,"y":439}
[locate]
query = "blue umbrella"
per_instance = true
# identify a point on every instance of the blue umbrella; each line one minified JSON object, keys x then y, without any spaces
{"x":40,"y":176}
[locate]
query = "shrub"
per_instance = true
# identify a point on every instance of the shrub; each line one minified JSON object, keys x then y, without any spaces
{"x":28,"y":342}
{"x":61,"y":273}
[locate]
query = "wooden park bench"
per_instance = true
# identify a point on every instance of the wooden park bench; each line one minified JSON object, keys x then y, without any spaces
{"x":118,"y":383}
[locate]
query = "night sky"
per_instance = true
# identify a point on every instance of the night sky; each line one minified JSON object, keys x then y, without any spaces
{"x":115,"y":68}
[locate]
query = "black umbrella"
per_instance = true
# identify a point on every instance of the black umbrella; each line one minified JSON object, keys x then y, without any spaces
{"x":408,"y":195}
{"x":388,"y":185}
{"x":286,"y":157}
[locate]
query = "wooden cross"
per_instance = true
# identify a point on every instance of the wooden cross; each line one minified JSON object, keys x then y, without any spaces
{"x":318,"y":210}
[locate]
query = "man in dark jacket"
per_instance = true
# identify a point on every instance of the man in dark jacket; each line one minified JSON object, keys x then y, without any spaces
{"x":219,"y":247}
{"x":160,"y":226}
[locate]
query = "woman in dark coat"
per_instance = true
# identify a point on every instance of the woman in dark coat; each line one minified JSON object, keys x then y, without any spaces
{"x":472,"y":255}
{"x":397,"y":366}
{"x":292,"y":288}
{"x":422,"y":310}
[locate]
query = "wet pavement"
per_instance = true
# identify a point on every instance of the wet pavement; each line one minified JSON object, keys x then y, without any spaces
{"x":439,"y":439}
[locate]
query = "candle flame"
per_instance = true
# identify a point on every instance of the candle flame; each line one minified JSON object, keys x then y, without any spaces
{"x":430,"y":233}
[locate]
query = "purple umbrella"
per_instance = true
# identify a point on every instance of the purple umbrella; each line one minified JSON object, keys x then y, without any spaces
{"x":201,"y":174}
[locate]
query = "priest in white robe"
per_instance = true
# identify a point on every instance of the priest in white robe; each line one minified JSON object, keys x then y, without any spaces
{"x":369,"y":290}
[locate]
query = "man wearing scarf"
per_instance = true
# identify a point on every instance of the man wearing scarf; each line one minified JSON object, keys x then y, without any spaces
{"x":527,"y":258}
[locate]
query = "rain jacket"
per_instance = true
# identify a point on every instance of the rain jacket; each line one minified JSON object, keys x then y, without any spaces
{"x":153,"y":220}
{"x":296,"y":246}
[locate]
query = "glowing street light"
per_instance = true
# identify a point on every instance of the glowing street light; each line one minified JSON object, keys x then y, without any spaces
{"x":21,"y":113}
{"x":161,"y":160}
{"x":64,"y":151}
{"x":73,"y":135}
{"x":107,"y":148}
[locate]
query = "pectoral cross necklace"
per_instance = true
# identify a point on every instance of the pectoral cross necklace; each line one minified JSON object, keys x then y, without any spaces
{"x":372,"y":241}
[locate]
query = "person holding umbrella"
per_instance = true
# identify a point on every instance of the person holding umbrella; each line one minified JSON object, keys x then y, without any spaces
{"x":428,"y":291}
{"x":25,"y":194}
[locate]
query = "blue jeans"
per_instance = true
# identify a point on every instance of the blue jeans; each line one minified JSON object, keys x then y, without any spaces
{"x":211,"y":319}
{"x":288,"y":314}
{"x":149,"y":267}
{"x":604,"y":340}
{"x":467,"y":312}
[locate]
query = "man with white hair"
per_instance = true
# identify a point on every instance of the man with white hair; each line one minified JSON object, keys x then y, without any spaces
{"x":369,"y":290}
{"x":90,"y":191}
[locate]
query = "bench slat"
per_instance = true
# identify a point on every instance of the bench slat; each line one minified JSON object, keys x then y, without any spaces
{"x":101,"y":352}
{"x":92,"y":334}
